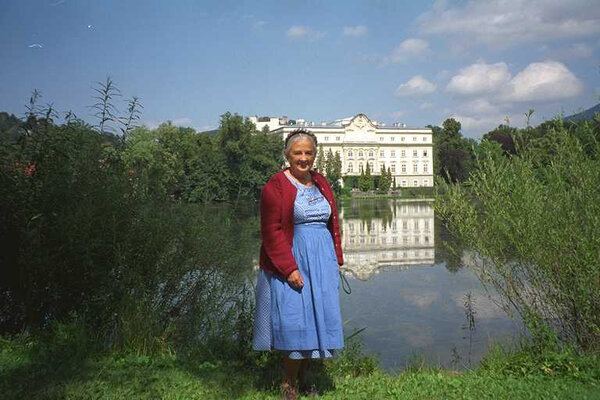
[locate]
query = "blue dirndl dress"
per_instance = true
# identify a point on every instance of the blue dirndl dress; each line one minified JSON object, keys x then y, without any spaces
{"x":303,"y":323}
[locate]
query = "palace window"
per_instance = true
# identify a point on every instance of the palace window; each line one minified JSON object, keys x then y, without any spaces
{"x":327,"y":138}
{"x":381,"y":139}
{"x":425,"y":182}
{"x":403,"y":183}
{"x":424,"y":138}
{"x":403,"y":168}
{"x":424,"y":153}
{"x":381,"y":166}
{"x":337,"y":138}
{"x":426,"y":225}
{"x":425,"y":168}
{"x":382,"y":153}
{"x":349,"y":153}
{"x":393,"y":167}
{"x":392,"y":139}
{"x":415,"y":154}
{"x":371,"y":153}
{"x":415,"y":168}
{"x":414,"y":138}
{"x":393,"y":153}
{"x":360,"y":153}
{"x":372,"y":240}
{"x":371,"y":166}
{"x":416,"y":240}
{"x":403,"y":138}
{"x":416,"y":224}
{"x":402,"y":153}
{"x":351,"y":226}
{"x":350,"y":167}
{"x":405,"y":225}
{"x":360,"y":167}
{"x":415,"y":182}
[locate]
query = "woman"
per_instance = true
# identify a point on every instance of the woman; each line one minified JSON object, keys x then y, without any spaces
{"x":297,"y":303}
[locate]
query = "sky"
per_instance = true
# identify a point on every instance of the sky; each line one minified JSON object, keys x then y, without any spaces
{"x":484,"y":63}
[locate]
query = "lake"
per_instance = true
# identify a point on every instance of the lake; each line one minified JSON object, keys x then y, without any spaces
{"x":414,"y":296}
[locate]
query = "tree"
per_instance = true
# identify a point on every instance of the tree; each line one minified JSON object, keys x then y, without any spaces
{"x":365,"y":182}
{"x":251,"y":157}
{"x":384,"y":180}
{"x":320,"y":167}
{"x":329,"y":164}
{"x":452,"y":154}
{"x":505,"y":135}
{"x":335,"y":177}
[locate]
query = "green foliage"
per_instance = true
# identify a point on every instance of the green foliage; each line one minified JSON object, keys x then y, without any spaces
{"x":321,"y":161}
{"x":535,"y":231}
{"x":452,"y":154}
{"x":250,"y":157}
{"x":365,"y":182}
{"x":91,"y":232}
{"x":504,"y":135}
{"x":333,"y":172}
{"x":385,"y":180}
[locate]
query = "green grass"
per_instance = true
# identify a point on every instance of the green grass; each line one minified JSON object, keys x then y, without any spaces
{"x":27,"y":373}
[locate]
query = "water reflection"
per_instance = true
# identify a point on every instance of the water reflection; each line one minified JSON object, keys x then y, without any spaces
{"x":409,"y":290}
{"x":400,"y":235}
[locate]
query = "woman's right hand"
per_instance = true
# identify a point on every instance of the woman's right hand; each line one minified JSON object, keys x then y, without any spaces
{"x":295,"y":280}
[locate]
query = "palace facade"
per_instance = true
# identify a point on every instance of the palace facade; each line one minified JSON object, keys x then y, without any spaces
{"x":407,"y":152}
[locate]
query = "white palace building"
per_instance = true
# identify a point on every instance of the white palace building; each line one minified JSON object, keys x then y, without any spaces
{"x":407,"y":151}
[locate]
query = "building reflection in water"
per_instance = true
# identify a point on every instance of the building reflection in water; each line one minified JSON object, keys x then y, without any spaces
{"x":400,"y":237}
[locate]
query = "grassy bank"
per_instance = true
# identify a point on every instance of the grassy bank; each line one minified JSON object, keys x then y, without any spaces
{"x":30,"y":370}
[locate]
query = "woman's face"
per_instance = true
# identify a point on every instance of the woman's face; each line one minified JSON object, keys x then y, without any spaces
{"x":301,"y":157}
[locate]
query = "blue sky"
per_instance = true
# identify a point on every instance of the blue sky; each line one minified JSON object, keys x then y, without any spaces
{"x":413,"y":62}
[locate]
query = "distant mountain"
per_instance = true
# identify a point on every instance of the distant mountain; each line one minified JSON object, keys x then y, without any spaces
{"x":211,"y":132}
{"x":584,"y":115}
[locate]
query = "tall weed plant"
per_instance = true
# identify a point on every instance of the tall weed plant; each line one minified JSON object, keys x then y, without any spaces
{"x":84,"y":242}
{"x":533,"y":223}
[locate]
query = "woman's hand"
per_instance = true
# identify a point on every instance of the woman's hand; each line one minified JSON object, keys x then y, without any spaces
{"x":295,"y":280}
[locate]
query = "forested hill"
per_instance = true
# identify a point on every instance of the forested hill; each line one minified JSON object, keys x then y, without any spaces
{"x":584,"y":115}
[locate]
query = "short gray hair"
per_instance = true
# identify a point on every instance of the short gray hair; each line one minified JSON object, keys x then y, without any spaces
{"x":296,"y":135}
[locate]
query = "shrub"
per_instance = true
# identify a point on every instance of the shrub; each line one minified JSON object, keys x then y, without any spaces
{"x":534,"y":225}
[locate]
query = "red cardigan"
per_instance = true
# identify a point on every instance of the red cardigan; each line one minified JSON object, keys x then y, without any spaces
{"x":277,"y":223}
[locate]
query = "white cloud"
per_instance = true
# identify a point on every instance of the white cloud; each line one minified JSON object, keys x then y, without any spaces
{"x":415,"y":86}
{"x":479,"y":78}
{"x":303,"y":32}
{"x":542,"y":81}
{"x":183,"y":121}
{"x":410,"y":49}
{"x":297,"y":31}
{"x":482,"y":123}
{"x":503,"y":23}
{"x":424,"y":106}
{"x":480,"y":106}
{"x":359,"y":30}
{"x":258,"y":24}
{"x":581,"y":50}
